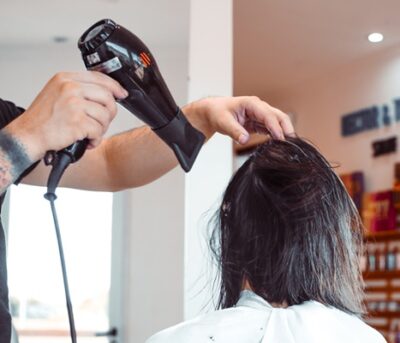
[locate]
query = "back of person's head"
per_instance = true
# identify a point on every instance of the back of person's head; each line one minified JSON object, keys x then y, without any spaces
{"x":288,"y":227}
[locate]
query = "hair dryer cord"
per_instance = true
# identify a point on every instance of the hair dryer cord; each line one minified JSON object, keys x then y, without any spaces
{"x":59,"y":166}
{"x":63,"y":267}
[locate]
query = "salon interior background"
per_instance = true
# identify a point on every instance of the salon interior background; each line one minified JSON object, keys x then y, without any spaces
{"x":310,"y":58}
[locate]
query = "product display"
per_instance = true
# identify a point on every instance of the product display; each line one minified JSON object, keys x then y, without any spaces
{"x":379,"y":213}
{"x":394,"y":333}
{"x":396,"y":191}
{"x":397,"y":335}
{"x":354,"y":183}
{"x":381,"y":306}
{"x":380,"y":259}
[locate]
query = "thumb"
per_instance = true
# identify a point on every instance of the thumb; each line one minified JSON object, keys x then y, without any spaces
{"x":238,"y":133}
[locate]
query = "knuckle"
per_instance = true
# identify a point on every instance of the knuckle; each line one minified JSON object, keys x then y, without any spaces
{"x":70,"y":87}
{"x":76,"y":119}
{"x":99,"y":131}
{"x":101,"y":77}
{"x":271,"y":125}
{"x":223,"y":124}
{"x":92,"y":133}
{"x":103,"y":124}
{"x":95,"y":128}
{"x":114,"y":110}
{"x":74,"y":102}
{"x":104,"y":130}
{"x":59,"y":77}
{"x":286,"y":117}
{"x":96,"y":74}
{"x":112,"y":105}
{"x":109,"y":118}
{"x":282,"y":116}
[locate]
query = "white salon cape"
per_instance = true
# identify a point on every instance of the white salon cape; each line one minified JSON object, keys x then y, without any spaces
{"x":253,"y":320}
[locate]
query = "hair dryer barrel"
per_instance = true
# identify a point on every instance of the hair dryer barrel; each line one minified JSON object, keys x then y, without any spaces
{"x":111,"y":49}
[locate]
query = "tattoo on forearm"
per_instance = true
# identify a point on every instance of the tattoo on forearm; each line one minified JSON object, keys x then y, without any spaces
{"x":13,"y":159}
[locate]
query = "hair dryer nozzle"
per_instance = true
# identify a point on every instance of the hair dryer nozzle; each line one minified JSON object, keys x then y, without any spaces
{"x":183,"y":139}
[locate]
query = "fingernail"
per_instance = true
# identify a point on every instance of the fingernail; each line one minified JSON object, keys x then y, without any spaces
{"x":243,"y":138}
{"x":280,"y":135}
{"x":125,"y":92}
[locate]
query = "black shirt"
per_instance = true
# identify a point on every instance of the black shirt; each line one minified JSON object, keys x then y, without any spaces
{"x":8,"y":112}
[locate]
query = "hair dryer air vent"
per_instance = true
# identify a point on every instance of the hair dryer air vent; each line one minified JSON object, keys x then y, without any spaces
{"x":95,"y":35}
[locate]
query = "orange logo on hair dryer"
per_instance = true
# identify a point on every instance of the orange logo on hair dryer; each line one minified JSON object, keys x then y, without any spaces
{"x":145,"y":59}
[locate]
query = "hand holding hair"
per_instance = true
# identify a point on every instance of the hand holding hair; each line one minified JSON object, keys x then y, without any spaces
{"x":237,"y":117}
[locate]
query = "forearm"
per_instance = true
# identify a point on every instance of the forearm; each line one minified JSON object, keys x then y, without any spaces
{"x":138,"y":157}
{"x":139,"y":163}
{"x":14,"y":158}
{"x":148,"y":157}
{"x":127,"y":160}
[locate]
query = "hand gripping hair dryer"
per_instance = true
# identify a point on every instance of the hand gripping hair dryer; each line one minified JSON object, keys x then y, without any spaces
{"x":111,"y":49}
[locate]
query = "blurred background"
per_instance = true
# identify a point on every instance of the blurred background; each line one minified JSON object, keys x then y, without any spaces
{"x":138,"y":260}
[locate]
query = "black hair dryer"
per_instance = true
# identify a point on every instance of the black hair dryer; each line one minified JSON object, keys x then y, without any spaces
{"x":111,"y":49}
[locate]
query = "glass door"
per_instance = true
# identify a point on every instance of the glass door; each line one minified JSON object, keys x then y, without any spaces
{"x":35,"y":280}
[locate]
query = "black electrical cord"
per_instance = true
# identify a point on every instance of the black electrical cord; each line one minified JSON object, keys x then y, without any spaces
{"x":52,"y":197}
{"x":60,"y":161}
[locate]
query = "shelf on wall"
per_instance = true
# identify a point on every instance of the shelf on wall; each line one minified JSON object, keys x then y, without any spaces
{"x":382,"y":274}
{"x":385,"y":288}
{"x":382,"y":236}
{"x":383,"y":314}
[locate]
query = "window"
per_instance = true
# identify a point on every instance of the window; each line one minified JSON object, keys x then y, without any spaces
{"x":35,"y":280}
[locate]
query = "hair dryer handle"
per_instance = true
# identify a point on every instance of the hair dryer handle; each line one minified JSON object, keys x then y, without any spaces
{"x":60,"y":161}
{"x":76,"y":150}
{"x":183,"y":139}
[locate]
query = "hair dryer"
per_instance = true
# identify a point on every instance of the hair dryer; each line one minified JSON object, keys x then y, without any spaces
{"x":111,"y":49}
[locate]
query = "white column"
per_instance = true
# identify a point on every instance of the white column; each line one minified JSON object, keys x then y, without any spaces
{"x":210,"y":73}
{"x":154,"y":279}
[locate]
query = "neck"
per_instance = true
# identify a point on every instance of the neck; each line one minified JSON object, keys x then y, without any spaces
{"x":246,"y":287}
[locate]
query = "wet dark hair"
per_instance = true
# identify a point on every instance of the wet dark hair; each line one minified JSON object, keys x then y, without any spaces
{"x":288,"y":227}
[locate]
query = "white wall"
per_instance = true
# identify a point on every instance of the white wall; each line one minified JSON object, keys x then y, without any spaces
{"x":210,"y":73}
{"x":320,"y":103}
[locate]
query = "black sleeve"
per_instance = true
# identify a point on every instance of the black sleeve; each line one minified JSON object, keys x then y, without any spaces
{"x":8,"y":112}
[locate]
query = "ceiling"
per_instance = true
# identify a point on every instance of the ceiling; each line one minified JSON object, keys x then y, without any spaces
{"x":158,"y":22}
{"x":279,"y":44}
